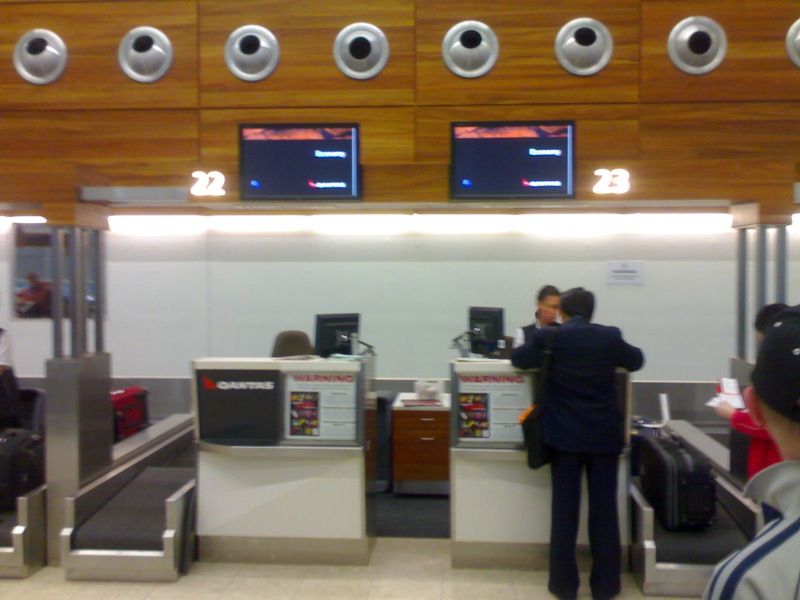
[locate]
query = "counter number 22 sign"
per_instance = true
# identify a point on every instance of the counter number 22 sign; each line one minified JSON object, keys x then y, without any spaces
{"x":612,"y":181}
{"x":208,"y":184}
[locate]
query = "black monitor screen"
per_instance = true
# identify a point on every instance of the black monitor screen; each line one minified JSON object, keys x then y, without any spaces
{"x":512,"y":160}
{"x":333,"y":333}
{"x":298,"y":161}
{"x":485,"y":329}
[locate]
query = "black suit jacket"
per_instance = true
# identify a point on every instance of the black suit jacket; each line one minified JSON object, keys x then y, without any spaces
{"x":529,"y":330}
{"x":581,"y":412}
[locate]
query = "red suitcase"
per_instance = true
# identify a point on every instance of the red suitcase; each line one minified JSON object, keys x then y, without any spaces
{"x":130,"y":411}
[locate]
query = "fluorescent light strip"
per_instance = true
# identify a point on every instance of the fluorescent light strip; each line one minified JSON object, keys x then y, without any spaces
{"x":464,"y":224}
{"x":158,"y":225}
{"x":361,"y":225}
{"x":570,"y":225}
{"x":259,"y":223}
{"x":28,"y":219}
{"x":6,"y":222}
{"x":577,"y":225}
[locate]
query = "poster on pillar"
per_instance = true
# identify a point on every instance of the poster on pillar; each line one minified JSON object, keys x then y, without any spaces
{"x":33,"y":285}
{"x":489,"y":404}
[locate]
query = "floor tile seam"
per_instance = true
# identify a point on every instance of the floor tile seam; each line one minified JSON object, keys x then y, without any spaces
{"x":151,"y":594}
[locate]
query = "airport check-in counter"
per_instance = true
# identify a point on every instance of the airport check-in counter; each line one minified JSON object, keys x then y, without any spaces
{"x":500,"y":509}
{"x":282,"y":460}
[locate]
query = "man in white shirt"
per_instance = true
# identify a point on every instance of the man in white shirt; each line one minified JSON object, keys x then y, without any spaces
{"x":9,"y":392}
{"x":768,"y":567}
{"x":548,"y":301}
{"x":5,"y":351}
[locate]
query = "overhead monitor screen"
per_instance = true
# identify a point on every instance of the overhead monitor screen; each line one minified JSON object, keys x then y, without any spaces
{"x":304,"y":161}
{"x":519,"y":160}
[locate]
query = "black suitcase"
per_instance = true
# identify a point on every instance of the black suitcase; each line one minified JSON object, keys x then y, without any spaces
{"x":678,"y":484}
{"x":21,"y":465}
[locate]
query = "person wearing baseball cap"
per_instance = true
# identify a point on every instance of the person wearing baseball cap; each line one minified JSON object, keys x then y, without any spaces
{"x":769,"y":566}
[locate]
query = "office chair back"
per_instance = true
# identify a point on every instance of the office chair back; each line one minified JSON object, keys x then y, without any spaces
{"x":292,"y":343}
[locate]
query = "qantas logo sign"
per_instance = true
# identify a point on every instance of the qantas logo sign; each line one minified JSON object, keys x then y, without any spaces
{"x":323,"y":378}
{"x":209,"y":384}
{"x":492,"y":378}
{"x":318,"y":185}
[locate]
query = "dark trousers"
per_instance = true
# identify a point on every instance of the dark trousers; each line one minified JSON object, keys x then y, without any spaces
{"x":566,"y":472}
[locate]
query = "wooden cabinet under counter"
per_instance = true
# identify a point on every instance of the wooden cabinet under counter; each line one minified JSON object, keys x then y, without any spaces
{"x":420,"y":445}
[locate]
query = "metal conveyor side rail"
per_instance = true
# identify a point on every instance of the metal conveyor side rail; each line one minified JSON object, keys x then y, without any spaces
{"x":660,"y":578}
{"x":27,"y":553}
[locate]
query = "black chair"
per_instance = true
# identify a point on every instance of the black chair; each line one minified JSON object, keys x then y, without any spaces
{"x":292,"y":343}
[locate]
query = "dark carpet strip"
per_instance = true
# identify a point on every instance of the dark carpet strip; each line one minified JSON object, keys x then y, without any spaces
{"x":412,"y":516}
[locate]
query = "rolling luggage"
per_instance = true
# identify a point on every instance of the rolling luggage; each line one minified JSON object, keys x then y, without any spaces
{"x":678,"y":484}
{"x":21,"y":465}
{"x":130,"y":411}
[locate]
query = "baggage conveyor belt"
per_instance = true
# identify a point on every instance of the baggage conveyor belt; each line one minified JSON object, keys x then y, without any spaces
{"x":680,"y":563}
{"x":137,"y":522}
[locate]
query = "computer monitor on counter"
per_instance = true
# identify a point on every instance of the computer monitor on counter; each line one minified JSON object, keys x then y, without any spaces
{"x":485,"y":329}
{"x":334,"y":333}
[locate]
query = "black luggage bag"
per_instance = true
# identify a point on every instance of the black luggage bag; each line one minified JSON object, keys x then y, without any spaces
{"x":21,"y":465}
{"x":677,"y":483}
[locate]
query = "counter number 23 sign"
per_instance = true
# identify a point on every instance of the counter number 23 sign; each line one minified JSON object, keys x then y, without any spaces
{"x":612,"y":181}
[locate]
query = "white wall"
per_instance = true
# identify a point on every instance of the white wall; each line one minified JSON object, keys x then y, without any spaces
{"x":171,"y":299}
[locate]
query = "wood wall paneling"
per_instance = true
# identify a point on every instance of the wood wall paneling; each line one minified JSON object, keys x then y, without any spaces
{"x":767,"y":181}
{"x":92,"y":32}
{"x":50,"y":154}
{"x":306,"y":74}
{"x":78,"y":213}
{"x":387,"y":143}
{"x":735,"y":131}
{"x":756,"y":66}
{"x":527,"y":70}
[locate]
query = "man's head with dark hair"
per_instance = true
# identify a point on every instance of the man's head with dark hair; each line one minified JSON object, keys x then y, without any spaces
{"x":767,"y":313}
{"x":577,"y":302}
{"x":547,"y":303}
{"x":548,"y":290}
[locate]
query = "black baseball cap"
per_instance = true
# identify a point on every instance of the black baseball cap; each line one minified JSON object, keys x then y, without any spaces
{"x":776,"y":377}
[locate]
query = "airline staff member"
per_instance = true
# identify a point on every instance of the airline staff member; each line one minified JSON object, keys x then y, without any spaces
{"x":548,"y":301}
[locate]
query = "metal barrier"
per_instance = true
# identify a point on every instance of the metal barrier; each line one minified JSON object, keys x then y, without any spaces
{"x":26,"y":555}
{"x":660,"y":578}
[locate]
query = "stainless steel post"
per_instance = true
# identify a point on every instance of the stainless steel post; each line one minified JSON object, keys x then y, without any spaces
{"x":741,"y":294}
{"x":781,"y":251}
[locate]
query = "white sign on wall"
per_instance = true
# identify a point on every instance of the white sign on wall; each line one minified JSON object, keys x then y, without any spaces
{"x":625,"y":272}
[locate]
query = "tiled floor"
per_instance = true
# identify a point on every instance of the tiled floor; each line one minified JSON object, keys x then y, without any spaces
{"x":400,"y":569}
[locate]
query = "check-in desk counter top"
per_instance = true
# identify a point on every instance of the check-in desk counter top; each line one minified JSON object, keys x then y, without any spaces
{"x":500,"y":509}
{"x":298,"y":494}
{"x":420,"y":445}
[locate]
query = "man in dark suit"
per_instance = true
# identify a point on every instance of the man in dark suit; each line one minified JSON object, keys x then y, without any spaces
{"x":583,"y":425}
